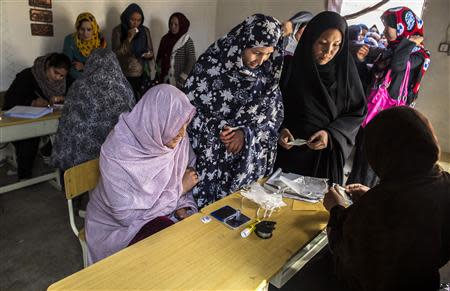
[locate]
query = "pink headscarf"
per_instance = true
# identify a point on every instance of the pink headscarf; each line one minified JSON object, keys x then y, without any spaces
{"x":137,"y":146}
{"x":141,"y":178}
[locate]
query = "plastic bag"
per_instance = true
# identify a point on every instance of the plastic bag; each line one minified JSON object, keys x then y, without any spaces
{"x":268,"y":201}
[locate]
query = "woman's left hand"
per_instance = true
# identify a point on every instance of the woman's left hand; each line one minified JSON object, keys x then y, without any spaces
{"x":182,"y":213}
{"x":147,"y":55}
{"x":233,"y":140}
{"x":333,"y":198}
{"x":79,"y":66}
{"x":318,"y":141}
{"x":417,"y":39}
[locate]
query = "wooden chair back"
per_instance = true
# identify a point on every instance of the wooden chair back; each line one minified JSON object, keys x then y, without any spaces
{"x":81,"y":178}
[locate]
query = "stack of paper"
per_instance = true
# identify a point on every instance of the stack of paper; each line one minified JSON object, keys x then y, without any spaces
{"x":28,"y":112}
{"x":297,"y":187}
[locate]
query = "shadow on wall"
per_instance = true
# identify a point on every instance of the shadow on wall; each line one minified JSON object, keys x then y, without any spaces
{"x":65,"y":26}
{"x":112,"y":20}
{"x":157,"y":27}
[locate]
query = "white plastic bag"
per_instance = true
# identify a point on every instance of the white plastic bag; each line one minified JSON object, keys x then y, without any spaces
{"x":268,"y":201}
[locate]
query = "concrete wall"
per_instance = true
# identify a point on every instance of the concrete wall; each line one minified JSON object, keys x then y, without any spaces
{"x":434,"y":96}
{"x":232,"y":12}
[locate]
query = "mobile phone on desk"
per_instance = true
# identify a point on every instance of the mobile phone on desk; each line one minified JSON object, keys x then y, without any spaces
{"x":223,"y":213}
{"x":230,"y":217}
{"x":237,"y":220}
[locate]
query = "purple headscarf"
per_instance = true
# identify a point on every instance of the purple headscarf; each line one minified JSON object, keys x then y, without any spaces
{"x":141,"y":178}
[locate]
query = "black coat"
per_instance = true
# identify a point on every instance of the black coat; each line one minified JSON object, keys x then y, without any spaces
{"x":23,"y":90}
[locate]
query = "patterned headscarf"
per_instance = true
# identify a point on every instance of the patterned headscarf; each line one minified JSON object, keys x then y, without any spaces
{"x":91,"y":109}
{"x":49,"y":88}
{"x":225,"y":91}
{"x":407,"y":24}
{"x":86,"y":46}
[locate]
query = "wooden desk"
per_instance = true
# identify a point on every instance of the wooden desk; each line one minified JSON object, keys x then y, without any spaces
{"x":13,"y":129}
{"x":191,"y":255}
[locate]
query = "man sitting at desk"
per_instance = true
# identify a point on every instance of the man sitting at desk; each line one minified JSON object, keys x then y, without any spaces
{"x":396,"y":235}
{"x":42,"y":84}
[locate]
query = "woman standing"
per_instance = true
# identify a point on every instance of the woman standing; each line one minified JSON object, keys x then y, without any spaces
{"x":146,"y":174}
{"x":324,"y":102}
{"x":79,"y":45}
{"x":176,"y":53}
{"x":132,"y":43}
{"x":404,"y":32}
{"x":234,"y":86}
{"x":41,"y":85}
{"x":91,"y":109}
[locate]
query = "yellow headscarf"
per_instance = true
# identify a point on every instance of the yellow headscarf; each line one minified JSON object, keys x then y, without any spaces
{"x":86,"y":46}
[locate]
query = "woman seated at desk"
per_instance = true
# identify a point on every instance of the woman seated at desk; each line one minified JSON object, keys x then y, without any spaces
{"x":42,"y":84}
{"x":396,"y":235}
{"x":146,"y":174}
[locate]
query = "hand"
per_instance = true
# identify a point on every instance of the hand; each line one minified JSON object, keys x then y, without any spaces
{"x":182,"y":213}
{"x":287,"y":28}
{"x":233,"y":139}
{"x":79,"y":66}
{"x":39,"y":102}
{"x":362,"y":53}
{"x":333,"y":198}
{"x":285,"y":137}
{"x":148,"y":55}
{"x":318,"y":141}
{"x":355,"y":191}
{"x":190,"y":179}
{"x":56,"y":100}
{"x":417,"y":39}
{"x":131,"y":34}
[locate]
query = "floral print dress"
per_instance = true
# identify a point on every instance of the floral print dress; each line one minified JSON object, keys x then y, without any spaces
{"x":226,"y":92}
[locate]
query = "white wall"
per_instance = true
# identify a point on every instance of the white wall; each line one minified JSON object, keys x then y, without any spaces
{"x":232,"y":12}
{"x":434,"y":95}
{"x":18,"y":48}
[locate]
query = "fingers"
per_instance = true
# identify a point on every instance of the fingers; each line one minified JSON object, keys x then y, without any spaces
{"x":313,"y":138}
{"x":317,"y":145}
{"x":290,"y":136}
{"x":353,"y":187}
{"x":227,"y":136}
{"x":239,"y":148}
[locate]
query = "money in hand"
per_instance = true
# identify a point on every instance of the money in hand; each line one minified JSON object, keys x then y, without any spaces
{"x":297,"y":142}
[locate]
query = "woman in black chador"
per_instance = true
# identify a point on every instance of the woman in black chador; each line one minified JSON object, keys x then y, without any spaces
{"x":324,"y":102}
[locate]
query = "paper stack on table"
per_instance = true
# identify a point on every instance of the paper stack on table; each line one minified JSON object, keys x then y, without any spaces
{"x":297,"y":187}
{"x":28,"y":112}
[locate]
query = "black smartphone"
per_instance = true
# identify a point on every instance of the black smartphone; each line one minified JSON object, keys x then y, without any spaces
{"x":223,"y":213}
{"x":237,"y":220}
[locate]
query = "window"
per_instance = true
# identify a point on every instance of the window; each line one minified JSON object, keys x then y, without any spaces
{"x":371,"y":18}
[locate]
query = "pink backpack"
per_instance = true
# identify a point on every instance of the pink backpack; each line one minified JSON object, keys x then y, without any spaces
{"x":379,"y":98}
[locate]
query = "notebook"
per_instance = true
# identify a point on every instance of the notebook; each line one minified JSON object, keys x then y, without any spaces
{"x":28,"y":112}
